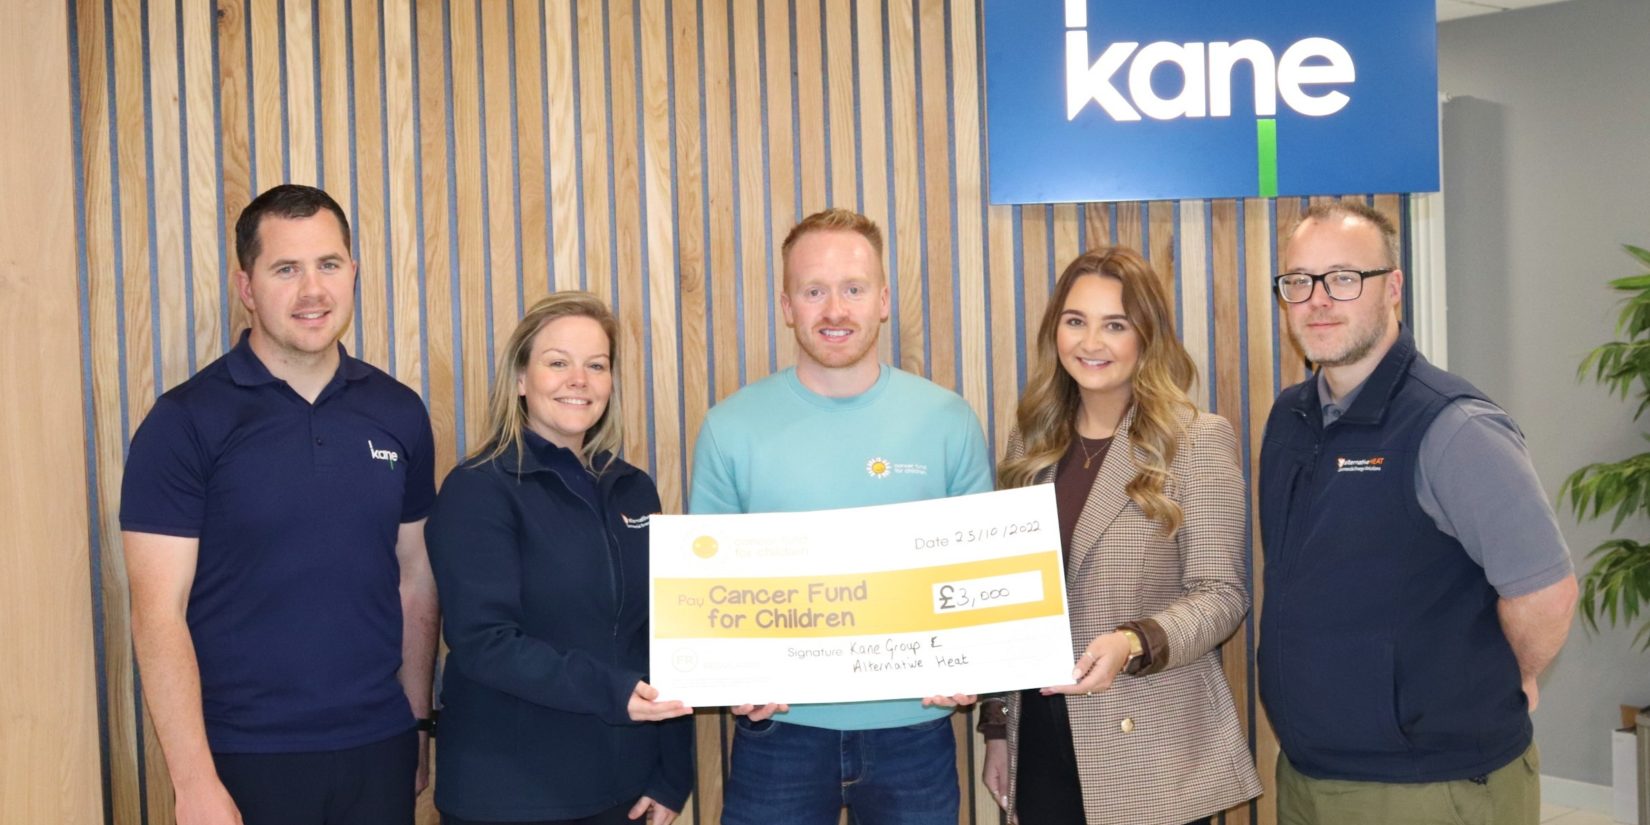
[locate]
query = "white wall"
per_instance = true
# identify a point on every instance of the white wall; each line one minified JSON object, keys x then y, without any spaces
{"x":1547,"y":174}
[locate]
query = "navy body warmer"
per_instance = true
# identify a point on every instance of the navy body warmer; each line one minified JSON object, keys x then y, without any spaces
{"x":1382,"y":657}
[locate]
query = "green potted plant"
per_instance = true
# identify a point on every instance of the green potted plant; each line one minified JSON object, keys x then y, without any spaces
{"x":1617,"y":587}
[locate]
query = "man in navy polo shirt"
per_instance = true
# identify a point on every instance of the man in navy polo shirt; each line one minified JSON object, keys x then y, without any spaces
{"x":1416,"y":580}
{"x":283,"y":610}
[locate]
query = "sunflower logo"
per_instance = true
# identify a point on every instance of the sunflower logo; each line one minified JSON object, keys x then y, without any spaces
{"x":877,"y":467}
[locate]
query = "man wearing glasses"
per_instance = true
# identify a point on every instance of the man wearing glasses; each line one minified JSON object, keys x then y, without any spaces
{"x":1416,"y":583}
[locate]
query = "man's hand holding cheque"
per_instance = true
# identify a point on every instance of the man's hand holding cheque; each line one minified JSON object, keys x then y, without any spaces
{"x":943,"y":599}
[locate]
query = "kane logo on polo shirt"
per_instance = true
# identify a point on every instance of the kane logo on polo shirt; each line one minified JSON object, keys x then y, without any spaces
{"x":1359,"y":465}
{"x":383,"y":455}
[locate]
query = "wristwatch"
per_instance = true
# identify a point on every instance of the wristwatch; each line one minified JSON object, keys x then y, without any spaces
{"x":1136,"y":647}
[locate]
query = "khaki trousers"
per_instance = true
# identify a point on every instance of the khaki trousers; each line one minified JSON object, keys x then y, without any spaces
{"x":1511,"y":795}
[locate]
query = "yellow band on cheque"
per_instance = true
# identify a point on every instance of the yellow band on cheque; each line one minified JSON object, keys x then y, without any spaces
{"x":895,"y":601}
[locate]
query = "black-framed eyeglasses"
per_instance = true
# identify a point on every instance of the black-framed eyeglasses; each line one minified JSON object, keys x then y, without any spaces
{"x":1338,"y":284}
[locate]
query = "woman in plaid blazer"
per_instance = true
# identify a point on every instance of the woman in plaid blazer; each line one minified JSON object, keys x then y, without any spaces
{"x":1151,"y":510}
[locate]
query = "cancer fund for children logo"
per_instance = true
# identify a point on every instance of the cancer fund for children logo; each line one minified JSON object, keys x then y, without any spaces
{"x":704,"y":547}
{"x":880,"y":467}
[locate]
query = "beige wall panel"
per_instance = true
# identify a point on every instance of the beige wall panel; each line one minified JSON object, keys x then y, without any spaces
{"x":939,"y":193}
{"x":1258,"y":235}
{"x":371,"y":222}
{"x":906,"y":227}
{"x":838,"y":62}
{"x":49,"y":769}
{"x":531,"y":175}
{"x":235,"y":108}
{"x":200,"y":90}
{"x":594,"y":142}
{"x":1194,"y":294}
{"x":721,"y":275}
{"x":166,"y":158}
{"x":299,"y":58}
{"x":810,"y":104}
{"x":269,"y":159}
{"x":970,"y":269}
{"x":782,"y":183}
{"x":756,"y":283}
{"x":564,"y":162}
{"x":665,"y":445}
{"x":437,"y":233}
{"x":121,"y":728}
{"x":470,"y":305}
{"x":499,"y":202}
{"x":1067,"y":244}
{"x":627,"y":213}
{"x":402,"y":242}
{"x":694,"y":380}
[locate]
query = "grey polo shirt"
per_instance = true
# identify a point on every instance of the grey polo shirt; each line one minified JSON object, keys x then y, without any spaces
{"x":1475,"y":479}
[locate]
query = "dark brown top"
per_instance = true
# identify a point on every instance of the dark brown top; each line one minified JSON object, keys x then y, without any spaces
{"x":1073,"y":478}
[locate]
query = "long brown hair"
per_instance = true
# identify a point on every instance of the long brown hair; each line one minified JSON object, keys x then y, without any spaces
{"x":1050,"y":402}
{"x":507,"y":410}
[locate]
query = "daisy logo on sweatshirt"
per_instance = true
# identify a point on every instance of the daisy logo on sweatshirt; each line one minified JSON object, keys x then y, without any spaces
{"x":880,"y":467}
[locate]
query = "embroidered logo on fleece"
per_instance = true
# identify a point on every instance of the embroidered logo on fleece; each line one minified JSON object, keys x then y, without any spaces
{"x":1359,"y":465}
{"x":636,"y":523}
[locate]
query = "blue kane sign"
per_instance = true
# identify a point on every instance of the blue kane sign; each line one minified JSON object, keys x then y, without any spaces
{"x":1106,"y":100}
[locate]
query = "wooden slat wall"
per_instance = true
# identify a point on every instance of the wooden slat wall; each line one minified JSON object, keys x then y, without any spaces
{"x":49,"y":708}
{"x":654,"y":151}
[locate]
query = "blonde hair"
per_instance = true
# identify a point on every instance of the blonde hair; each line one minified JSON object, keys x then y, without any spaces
{"x":1049,"y":405}
{"x":507,"y":409}
{"x":835,"y":220}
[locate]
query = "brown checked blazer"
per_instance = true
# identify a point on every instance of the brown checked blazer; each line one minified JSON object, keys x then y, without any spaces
{"x":1159,"y":748}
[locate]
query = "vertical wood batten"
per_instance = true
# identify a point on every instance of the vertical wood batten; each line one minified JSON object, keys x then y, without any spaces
{"x":694,"y":380}
{"x":939,"y":193}
{"x":264,"y":79}
{"x":401,"y":173}
{"x":629,"y":238}
{"x":206,"y":287}
{"x":969,"y":195}
{"x":532,"y":182}
{"x":723,"y":354}
{"x":300,"y":105}
{"x":905,"y":229}
{"x":500,"y":220}
{"x":367,"y":186}
{"x":752,"y":203}
{"x":470,"y":300}
{"x":167,"y":213}
{"x":664,"y":283}
{"x":559,"y":83}
{"x":120,"y":732}
{"x":870,"y":133}
{"x":781,"y":161}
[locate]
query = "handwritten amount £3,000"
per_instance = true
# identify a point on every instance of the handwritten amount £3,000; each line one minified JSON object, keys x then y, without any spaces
{"x":991,"y":591}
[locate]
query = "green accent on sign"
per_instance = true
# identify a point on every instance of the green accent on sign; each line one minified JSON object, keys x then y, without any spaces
{"x":1266,"y":150}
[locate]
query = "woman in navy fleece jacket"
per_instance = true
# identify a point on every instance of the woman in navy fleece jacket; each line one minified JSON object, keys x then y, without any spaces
{"x":539,"y":543}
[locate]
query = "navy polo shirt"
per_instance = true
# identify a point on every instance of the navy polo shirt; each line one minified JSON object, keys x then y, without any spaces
{"x":295,"y":610}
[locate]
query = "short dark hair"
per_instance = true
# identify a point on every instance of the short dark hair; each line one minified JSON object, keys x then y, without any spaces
{"x":1351,"y":208}
{"x":289,"y":200}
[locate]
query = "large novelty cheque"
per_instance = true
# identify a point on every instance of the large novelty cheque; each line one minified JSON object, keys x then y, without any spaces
{"x":954,"y":595}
